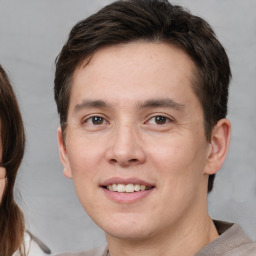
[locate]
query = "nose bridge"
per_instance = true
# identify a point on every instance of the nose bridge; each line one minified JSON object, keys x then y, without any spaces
{"x":125,"y":137}
{"x":126,"y":147}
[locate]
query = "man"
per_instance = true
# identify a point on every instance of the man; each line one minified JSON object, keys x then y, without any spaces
{"x":141,"y":89}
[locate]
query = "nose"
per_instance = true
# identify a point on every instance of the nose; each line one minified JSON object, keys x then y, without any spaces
{"x":125,"y":148}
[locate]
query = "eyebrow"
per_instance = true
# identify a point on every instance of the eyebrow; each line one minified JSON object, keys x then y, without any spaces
{"x":151,"y":103}
{"x":166,"y":103}
{"x":90,"y":104}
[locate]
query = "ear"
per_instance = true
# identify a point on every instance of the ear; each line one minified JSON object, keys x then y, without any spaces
{"x":218,"y":146}
{"x":63,"y":155}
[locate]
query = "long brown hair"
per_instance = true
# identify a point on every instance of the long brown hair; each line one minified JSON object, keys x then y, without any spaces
{"x":13,"y":143}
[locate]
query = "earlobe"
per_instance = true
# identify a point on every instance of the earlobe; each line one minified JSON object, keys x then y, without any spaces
{"x":67,"y":173}
{"x":63,"y":155}
{"x":218,"y":147}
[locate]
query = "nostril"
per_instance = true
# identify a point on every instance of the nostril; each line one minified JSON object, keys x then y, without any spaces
{"x":113,"y":160}
{"x":123,"y":162}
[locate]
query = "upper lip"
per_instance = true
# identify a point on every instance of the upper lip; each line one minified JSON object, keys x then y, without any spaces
{"x":125,"y":181}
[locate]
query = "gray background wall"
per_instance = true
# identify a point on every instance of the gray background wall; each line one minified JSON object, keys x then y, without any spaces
{"x":32,"y":33}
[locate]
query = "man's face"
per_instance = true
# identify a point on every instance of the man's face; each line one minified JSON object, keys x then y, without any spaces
{"x":134,"y":119}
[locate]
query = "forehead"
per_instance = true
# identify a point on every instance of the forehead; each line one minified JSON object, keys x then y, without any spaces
{"x":137,"y":70}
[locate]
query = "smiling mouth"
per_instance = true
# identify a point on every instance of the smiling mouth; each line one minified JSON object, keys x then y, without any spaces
{"x":129,"y":188}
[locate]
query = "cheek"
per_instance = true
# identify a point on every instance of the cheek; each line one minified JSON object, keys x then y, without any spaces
{"x":2,"y":181}
{"x":180,"y":172}
{"x":84,"y":161}
{"x":84,"y":155}
{"x":174,"y":160}
{"x":2,"y":185}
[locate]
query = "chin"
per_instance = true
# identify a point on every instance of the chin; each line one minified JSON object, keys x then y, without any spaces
{"x":127,"y":229}
{"x":131,"y":234}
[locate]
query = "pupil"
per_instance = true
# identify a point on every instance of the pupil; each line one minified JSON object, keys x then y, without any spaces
{"x":97,"y":120}
{"x":160,"y":120}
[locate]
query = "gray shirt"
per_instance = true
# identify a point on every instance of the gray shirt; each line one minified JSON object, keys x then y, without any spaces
{"x":232,"y":241}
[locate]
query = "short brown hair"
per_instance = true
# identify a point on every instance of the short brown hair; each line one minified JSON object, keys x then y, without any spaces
{"x":154,"y":21}
{"x":13,"y":143}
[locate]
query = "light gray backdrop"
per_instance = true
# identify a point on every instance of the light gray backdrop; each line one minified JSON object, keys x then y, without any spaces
{"x":32,"y":33}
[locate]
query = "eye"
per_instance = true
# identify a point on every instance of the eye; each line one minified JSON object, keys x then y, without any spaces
{"x":95,"y":120}
{"x":159,"y":120}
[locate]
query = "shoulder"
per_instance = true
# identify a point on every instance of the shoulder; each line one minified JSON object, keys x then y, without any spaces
{"x":33,"y":246}
{"x":246,"y":249}
{"x":231,"y":242}
{"x":100,"y":251}
{"x":240,"y":244}
{"x":237,"y":242}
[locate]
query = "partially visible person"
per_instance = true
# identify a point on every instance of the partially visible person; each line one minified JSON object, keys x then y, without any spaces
{"x":12,"y":142}
{"x":13,"y":238}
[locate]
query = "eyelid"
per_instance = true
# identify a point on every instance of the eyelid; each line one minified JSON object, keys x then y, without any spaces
{"x":169,"y":119}
{"x":86,"y":118}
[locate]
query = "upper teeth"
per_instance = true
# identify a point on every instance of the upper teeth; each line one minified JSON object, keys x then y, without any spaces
{"x":126,"y":188}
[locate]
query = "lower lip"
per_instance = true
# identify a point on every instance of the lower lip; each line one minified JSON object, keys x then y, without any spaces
{"x":127,"y":197}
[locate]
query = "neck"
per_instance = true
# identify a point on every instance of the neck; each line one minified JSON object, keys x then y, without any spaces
{"x":188,"y":235}
{"x":183,"y":240}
